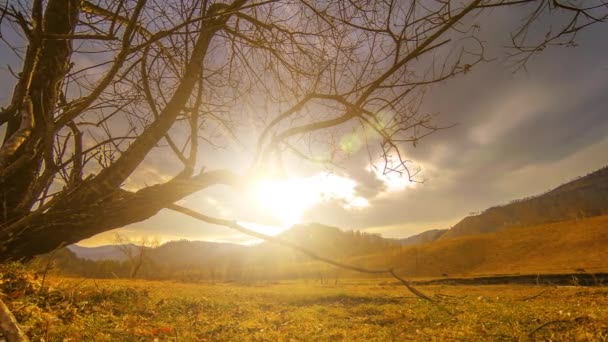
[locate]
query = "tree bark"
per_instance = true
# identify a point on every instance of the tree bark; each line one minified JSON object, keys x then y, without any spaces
{"x":50,"y":59}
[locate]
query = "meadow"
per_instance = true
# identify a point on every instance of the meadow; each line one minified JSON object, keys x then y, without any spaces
{"x":76,"y":309}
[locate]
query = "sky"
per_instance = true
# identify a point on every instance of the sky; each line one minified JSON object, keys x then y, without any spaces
{"x":514,"y":134}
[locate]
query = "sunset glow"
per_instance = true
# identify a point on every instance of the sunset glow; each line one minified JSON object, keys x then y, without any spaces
{"x":261,"y":228}
{"x":288,"y":199}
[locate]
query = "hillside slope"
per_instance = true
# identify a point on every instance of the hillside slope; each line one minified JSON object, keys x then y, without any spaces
{"x":107,"y":252}
{"x":424,"y":237}
{"x":584,"y":197}
{"x":332,"y":241}
{"x":568,"y":246}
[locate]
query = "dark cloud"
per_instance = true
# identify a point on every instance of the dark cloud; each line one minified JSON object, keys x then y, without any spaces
{"x":368,"y":185}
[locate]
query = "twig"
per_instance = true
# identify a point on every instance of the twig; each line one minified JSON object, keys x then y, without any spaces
{"x":532,"y":297}
{"x":48,"y":267}
{"x":547,"y":324}
{"x":576,"y":320}
{"x":450,"y":296}
{"x":9,"y":326}
{"x":234,"y":225}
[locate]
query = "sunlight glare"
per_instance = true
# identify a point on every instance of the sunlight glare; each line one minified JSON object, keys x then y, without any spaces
{"x":261,"y":228}
{"x":394,"y":181}
{"x":288,"y":199}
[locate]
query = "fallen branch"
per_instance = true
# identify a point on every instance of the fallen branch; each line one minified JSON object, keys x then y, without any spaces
{"x":546,"y":324}
{"x":9,"y":326}
{"x":532,"y":297}
{"x":234,"y":225}
{"x":574,"y":321}
{"x":450,"y":296}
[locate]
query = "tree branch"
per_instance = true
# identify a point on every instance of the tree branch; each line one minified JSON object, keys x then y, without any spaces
{"x":276,"y":240}
{"x":10,"y":147}
{"x":9,"y":325}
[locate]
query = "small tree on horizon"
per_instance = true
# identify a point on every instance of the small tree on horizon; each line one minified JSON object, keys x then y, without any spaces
{"x":135,"y":251}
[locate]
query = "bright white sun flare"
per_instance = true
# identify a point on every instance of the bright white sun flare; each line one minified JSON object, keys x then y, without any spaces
{"x":288,"y":199}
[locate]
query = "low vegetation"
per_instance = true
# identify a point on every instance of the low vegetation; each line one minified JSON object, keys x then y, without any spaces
{"x":75,"y":309}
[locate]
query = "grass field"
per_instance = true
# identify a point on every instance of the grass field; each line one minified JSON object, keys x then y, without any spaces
{"x":75,"y":309}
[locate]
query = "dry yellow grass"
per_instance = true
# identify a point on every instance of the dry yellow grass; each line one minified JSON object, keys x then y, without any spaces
{"x":562,"y":247}
{"x":354,"y":310}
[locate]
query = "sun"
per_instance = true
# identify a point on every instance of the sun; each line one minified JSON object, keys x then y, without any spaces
{"x":288,"y":199}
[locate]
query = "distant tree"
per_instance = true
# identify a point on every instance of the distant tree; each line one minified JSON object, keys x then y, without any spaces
{"x":135,"y":251}
{"x":104,"y":84}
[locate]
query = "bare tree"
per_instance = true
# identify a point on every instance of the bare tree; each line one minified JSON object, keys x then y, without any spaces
{"x":135,"y":251}
{"x":105,"y":84}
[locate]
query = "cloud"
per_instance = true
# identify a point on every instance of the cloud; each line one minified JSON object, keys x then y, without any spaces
{"x":368,"y":185}
{"x":517,"y":135}
{"x":514,"y":109}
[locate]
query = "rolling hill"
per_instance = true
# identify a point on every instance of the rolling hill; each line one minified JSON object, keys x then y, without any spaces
{"x":584,"y":197}
{"x":320,"y":238}
{"x":424,"y":237}
{"x":201,"y":259}
{"x":567,"y":246}
{"x":107,"y":252}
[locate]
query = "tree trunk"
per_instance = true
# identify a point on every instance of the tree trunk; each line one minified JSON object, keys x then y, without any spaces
{"x":50,"y":59}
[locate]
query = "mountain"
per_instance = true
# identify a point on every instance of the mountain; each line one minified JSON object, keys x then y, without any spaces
{"x":181,"y":253}
{"x":108,"y":252}
{"x":424,"y":237}
{"x":184,"y":253}
{"x":583,"y":197}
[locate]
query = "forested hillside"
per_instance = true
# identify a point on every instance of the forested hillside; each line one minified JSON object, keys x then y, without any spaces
{"x":583,"y":197}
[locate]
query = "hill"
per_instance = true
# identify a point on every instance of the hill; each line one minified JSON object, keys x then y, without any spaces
{"x":566,"y":247}
{"x":583,"y":197}
{"x":186,"y":253}
{"x":562,"y":247}
{"x":211,"y":260}
{"x":107,"y":252}
{"x":424,"y":237}
{"x":332,"y":241}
